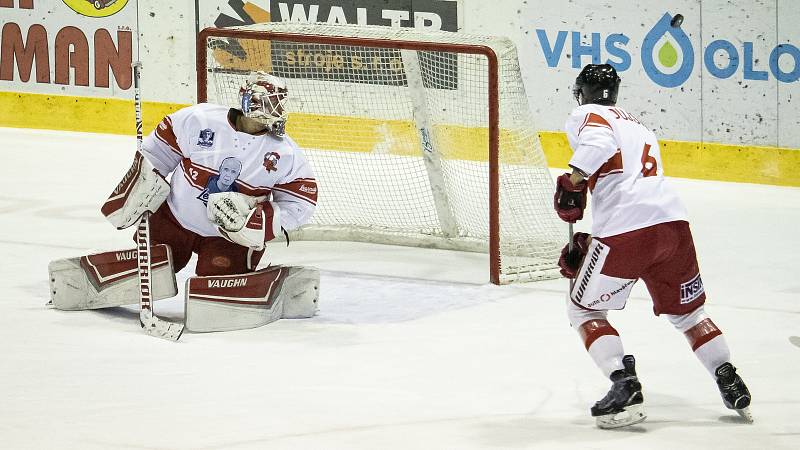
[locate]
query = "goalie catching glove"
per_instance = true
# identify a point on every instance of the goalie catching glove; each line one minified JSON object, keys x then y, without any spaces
{"x":243,"y":219}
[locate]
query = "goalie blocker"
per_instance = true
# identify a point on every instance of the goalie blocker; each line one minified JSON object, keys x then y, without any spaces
{"x":142,"y":189}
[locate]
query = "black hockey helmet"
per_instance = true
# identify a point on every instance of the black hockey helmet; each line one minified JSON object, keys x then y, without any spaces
{"x":597,"y":83}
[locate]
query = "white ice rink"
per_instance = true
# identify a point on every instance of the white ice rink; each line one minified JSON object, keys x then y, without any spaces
{"x":412,"y":349}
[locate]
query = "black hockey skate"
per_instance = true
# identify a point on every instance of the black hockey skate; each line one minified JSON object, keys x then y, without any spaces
{"x":734,"y":393}
{"x":623,"y":405}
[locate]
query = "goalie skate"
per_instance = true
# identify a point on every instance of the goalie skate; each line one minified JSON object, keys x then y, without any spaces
{"x":623,"y":405}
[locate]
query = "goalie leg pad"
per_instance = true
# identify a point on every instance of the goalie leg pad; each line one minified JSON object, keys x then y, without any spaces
{"x":300,"y":292}
{"x":104,"y":280}
{"x":237,"y":302}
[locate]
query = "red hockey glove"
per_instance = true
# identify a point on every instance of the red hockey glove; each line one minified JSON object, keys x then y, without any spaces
{"x":570,"y":199}
{"x":570,"y":260}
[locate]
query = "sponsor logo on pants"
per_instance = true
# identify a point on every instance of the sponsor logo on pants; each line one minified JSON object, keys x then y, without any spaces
{"x":608,"y":295}
{"x":691,"y":290}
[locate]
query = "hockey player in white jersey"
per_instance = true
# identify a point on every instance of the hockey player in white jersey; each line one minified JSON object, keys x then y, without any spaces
{"x":639,"y":231}
{"x":236,"y":181}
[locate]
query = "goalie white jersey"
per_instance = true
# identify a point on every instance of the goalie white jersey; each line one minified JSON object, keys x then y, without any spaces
{"x":623,"y":161}
{"x":205,"y":154}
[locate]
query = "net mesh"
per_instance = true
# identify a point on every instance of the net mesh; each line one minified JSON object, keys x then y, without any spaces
{"x":399,"y":139}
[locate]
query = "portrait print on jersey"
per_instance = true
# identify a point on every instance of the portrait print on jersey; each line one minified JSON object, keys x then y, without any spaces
{"x":225,"y":181}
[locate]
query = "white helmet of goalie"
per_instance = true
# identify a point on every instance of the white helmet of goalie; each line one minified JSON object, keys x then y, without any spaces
{"x":263,"y":98}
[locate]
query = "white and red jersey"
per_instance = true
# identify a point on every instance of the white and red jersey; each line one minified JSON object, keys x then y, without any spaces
{"x":205,"y":154}
{"x":626,"y":177}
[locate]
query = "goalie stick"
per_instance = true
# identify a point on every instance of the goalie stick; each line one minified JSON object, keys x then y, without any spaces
{"x":151,"y":324}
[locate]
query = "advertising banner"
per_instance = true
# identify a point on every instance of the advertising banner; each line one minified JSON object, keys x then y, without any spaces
{"x":720,"y":89}
{"x":70,"y":47}
{"x":431,"y":14}
{"x":724,"y":75}
{"x":333,"y":63}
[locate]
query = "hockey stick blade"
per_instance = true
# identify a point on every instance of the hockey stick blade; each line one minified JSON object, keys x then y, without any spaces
{"x":154,"y":326}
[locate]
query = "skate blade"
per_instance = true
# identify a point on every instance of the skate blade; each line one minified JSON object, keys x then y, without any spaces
{"x":630,"y":416}
{"x":745,"y":413}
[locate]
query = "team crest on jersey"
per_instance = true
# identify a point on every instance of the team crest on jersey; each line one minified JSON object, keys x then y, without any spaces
{"x":206,"y":138}
{"x":271,"y":161}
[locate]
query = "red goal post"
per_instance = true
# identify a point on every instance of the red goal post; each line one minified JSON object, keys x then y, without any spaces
{"x":373,"y":67}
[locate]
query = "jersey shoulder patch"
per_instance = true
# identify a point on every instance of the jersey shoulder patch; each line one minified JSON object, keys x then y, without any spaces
{"x":594,"y":120}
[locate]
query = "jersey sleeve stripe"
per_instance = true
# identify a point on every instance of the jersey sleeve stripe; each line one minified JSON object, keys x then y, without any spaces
{"x":165,"y":134}
{"x":295,"y":194}
{"x":168,"y":145}
{"x":304,"y":189}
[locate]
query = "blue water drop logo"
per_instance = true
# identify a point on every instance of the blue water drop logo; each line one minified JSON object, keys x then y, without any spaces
{"x":667,"y":54}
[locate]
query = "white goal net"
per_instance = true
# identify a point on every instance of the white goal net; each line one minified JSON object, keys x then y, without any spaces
{"x":416,"y":138}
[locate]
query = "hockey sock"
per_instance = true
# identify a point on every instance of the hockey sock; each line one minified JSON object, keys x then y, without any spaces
{"x":604,"y":345}
{"x":704,"y":337}
{"x":708,"y":345}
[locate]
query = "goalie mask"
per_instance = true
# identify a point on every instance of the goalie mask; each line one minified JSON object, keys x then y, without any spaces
{"x":597,"y":83}
{"x":263,"y":97}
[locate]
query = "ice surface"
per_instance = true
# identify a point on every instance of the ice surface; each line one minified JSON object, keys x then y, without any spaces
{"x":412,"y":349}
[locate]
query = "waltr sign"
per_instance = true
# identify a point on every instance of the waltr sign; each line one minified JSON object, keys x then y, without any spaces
{"x":335,"y":63}
{"x":430,"y":14}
